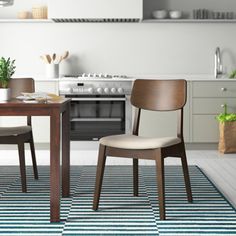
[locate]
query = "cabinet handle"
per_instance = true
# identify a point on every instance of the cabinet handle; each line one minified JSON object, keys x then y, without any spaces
{"x":223,"y":89}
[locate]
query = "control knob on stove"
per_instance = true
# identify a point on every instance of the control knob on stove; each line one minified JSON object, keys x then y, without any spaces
{"x":90,"y":90}
{"x":106,"y":90}
{"x":113,"y":90}
{"x":99,"y":90}
{"x":120,"y":90}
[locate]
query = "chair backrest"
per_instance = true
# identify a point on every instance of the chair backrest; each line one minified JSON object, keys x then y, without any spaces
{"x":159,"y":95}
{"x":20,"y":85}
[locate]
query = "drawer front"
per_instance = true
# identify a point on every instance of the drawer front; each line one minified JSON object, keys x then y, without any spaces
{"x":205,"y":129}
{"x":213,"y":105}
{"x":214,"y":89}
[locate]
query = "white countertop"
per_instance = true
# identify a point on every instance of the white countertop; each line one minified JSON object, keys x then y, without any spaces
{"x":188,"y":77}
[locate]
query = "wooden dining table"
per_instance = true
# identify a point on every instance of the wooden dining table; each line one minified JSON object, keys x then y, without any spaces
{"x":59,"y":113}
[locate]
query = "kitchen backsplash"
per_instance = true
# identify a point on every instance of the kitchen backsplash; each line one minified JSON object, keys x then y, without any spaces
{"x":147,"y":48}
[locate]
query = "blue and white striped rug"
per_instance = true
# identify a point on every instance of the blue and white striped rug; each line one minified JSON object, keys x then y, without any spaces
{"x":120,"y":213}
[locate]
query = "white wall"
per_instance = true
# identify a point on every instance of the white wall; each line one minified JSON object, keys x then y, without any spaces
{"x":134,"y":48}
{"x":147,"y":48}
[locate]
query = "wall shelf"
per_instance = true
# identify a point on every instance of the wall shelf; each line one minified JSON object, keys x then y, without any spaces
{"x":142,"y":21}
{"x":188,"y":21}
{"x":26,"y":21}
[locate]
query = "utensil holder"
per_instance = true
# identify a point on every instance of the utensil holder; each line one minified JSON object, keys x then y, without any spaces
{"x":52,"y":71}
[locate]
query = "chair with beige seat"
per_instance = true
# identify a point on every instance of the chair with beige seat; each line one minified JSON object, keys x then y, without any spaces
{"x":156,"y":95}
{"x":21,"y":134}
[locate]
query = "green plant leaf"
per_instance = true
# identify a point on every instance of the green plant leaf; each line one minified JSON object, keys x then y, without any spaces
{"x":7,"y":69}
{"x":232,"y":75}
{"x":225,"y":117}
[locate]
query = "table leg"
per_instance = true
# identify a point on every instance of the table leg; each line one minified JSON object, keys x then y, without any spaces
{"x":66,"y":152}
{"x":55,"y":166}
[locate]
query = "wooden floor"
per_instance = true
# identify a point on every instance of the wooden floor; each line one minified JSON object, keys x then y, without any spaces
{"x":221,"y":169}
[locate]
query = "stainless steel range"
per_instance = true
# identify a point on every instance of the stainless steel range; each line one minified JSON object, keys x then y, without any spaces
{"x":100,"y":104}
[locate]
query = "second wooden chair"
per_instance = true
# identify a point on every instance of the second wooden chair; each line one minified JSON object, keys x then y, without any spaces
{"x":21,"y":134}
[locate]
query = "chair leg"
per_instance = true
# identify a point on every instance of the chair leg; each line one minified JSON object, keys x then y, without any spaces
{"x":99,"y":175}
{"x":161,"y":186}
{"x":135,"y":176}
{"x":21,"y":150}
{"x":186,"y":176}
{"x":35,"y":169}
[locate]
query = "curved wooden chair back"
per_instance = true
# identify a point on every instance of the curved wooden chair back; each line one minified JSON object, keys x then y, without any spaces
{"x":159,"y":95}
{"x":21,"y":85}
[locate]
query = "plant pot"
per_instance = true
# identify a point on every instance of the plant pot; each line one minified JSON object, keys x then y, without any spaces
{"x":4,"y":94}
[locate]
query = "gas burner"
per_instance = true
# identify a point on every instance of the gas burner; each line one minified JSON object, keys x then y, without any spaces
{"x":95,"y":75}
{"x":120,"y":76}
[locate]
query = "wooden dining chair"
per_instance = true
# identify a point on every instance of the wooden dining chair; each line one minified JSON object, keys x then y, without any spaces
{"x":21,"y":134}
{"x":156,"y":95}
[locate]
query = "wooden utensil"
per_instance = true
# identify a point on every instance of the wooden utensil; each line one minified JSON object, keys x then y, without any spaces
{"x":45,"y":59}
{"x":54,"y":56}
{"x":65,"y":55}
{"x":48,"y":58}
{"x":60,"y":59}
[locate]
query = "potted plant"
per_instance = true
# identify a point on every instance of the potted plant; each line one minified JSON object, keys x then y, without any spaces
{"x":7,"y":69}
{"x":227,"y":128}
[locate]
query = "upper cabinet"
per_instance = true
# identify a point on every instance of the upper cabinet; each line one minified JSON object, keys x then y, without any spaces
{"x":189,"y":10}
{"x":96,"y":10}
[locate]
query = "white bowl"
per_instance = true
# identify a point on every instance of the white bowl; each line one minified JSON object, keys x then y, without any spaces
{"x":175,"y":14}
{"x":160,"y":14}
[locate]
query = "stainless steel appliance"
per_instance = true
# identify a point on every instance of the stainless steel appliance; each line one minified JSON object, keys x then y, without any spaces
{"x":100,"y":105}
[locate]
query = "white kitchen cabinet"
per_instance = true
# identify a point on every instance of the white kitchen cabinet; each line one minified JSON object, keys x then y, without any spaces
{"x":205,"y":101}
{"x":164,"y":124}
{"x":208,"y":99}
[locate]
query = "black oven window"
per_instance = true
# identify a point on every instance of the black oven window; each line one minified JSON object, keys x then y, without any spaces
{"x":91,"y":120}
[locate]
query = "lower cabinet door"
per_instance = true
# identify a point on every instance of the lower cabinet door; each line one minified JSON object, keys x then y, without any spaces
{"x":205,"y":129}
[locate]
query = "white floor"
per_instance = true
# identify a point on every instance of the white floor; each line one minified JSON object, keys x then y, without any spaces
{"x":221,"y":169}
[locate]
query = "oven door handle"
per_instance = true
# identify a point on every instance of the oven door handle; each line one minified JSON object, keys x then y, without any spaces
{"x":98,"y":99}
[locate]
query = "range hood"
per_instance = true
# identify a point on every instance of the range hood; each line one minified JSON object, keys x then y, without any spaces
{"x":95,"y":10}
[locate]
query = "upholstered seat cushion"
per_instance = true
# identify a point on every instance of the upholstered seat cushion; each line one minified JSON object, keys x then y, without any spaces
{"x":13,"y":131}
{"x":138,"y":142}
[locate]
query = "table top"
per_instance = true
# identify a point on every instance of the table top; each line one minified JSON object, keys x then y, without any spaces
{"x":19,"y":103}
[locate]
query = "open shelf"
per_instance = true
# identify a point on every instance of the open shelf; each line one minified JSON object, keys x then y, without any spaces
{"x":142,"y":21}
{"x":189,"y":21}
{"x":26,"y":21}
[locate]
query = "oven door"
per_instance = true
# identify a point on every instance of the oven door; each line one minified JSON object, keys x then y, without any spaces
{"x":96,"y":116}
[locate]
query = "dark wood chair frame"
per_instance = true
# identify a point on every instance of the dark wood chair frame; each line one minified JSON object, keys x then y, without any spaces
{"x":157,"y":95}
{"x":17,"y":86}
